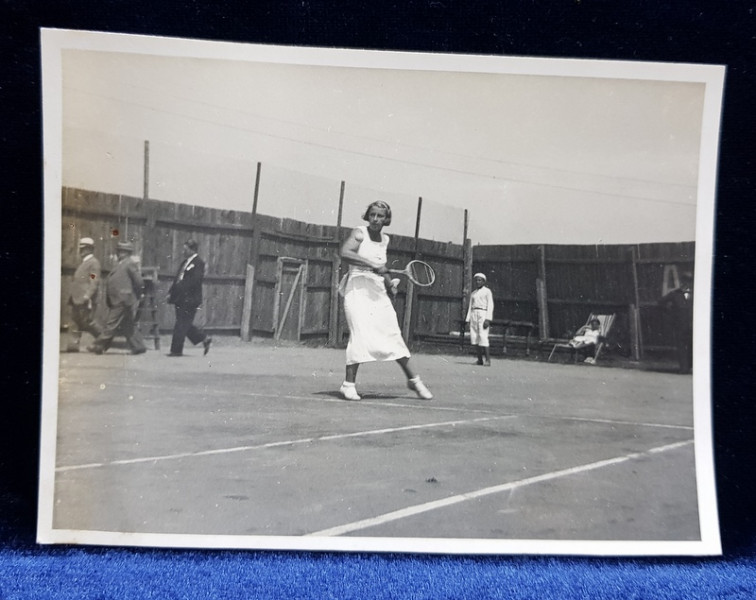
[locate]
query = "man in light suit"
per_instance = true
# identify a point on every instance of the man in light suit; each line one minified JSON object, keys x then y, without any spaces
{"x":186,"y":296}
{"x":83,"y":298}
{"x":124,"y":288}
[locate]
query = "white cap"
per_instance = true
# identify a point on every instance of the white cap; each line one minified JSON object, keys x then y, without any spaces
{"x":86,"y":241}
{"x":483,"y":277}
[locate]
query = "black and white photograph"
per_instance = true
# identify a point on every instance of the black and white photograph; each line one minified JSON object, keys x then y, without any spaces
{"x":300,"y":298}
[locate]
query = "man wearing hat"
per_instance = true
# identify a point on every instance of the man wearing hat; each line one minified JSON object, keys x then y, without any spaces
{"x":123,"y":289}
{"x":479,"y":316}
{"x":83,"y":298}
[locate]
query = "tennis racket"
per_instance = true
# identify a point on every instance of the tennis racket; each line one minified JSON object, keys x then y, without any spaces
{"x":418,"y":272}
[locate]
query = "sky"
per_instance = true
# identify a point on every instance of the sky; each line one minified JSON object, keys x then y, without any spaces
{"x":533,"y":158}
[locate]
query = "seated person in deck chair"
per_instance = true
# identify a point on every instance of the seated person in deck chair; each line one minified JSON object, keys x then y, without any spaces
{"x":586,"y":339}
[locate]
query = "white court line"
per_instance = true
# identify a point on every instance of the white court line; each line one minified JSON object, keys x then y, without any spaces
{"x":337,"y":436}
{"x":423,"y":405}
{"x":616,"y":422}
{"x":436,"y":504}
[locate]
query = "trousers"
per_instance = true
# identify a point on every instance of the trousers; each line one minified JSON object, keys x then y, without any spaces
{"x":185,"y":328}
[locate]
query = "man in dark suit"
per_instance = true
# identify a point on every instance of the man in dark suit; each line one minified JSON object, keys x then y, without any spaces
{"x":679,"y":303}
{"x":186,"y":295}
{"x":83,"y":298}
{"x":124,"y":288}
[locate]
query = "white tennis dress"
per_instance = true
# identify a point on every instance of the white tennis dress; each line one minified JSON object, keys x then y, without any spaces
{"x":374,"y":332}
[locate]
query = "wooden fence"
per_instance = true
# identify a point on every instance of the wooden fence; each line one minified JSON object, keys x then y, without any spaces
{"x":558,"y":286}
{"x":273,"y":277}
{"x":251,"y":287}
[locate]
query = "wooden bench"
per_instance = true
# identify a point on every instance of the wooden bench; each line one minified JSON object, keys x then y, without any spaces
{"x":507,"y":327}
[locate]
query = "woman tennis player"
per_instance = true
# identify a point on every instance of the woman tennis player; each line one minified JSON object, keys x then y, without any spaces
{"x":373,"y":327}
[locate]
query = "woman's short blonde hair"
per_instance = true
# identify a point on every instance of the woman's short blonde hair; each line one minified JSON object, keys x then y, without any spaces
{"x":378,"y":204}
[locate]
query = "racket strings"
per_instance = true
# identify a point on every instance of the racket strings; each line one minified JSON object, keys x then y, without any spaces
{"x":421,"y":273}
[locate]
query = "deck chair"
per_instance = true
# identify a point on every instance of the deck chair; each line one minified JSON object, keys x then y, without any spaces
{"x":606,"y":322}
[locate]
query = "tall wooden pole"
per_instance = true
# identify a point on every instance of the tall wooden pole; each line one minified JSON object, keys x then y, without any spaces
{"x":466,"y":278}
{"x":333,"y":324}
{"x":255,"y":224}
{"x":408,"y":326}
{"x":465,"y":223}
{"x":417,"y":222}
{"x":341,"y":209}
{"x":146,"y":183}
{"x":150,"y":213}
{"x":249,"y":285}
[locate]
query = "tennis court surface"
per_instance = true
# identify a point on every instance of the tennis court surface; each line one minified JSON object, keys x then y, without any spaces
{"x":253,"y":439}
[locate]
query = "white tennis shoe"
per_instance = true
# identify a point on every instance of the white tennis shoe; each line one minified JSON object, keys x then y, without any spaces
{"x":419,"y":388}
{"x":349,"y":391}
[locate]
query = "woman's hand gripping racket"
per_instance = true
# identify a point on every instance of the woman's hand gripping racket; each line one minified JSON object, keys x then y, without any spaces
{"x":418,"y":272}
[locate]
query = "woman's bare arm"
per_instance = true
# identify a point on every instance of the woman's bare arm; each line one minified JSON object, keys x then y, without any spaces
{"x":349,"y":252}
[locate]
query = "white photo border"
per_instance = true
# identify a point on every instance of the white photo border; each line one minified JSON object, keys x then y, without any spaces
{"x":55,"y":41}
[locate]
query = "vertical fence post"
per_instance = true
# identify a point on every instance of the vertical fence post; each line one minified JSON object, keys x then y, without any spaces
{"x":333,"y":322}
{"x":542,"y":296}
{"x":407,"y":322}
{"x":249,"y":284}
{"x":634,"y":322}
{"x":635,"y":316}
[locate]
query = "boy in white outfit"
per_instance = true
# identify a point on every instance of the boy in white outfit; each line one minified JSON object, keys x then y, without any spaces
{"x":479,"y":316}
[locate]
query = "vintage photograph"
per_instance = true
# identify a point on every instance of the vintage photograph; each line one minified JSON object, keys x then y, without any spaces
{"x":320,"y":299}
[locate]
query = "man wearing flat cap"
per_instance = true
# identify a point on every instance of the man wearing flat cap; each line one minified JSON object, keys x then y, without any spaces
{"x":83,"y":298}
{"x":124,"y":287}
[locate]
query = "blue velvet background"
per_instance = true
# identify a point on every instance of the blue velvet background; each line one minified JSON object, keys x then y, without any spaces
{"x":692,"y":31}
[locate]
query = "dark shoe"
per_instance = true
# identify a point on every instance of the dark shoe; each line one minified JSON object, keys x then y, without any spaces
{"x":72,"y":349}
{"x":206,"y":343}
{"x":175,"y":354}
{"x":94,"y":349}
{"x":142,"y":351}
{"x":479,"y":362}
